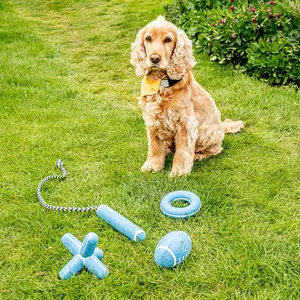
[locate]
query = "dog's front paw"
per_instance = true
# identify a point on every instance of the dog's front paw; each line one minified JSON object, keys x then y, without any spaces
{"x":151,"y":167}
{"x":179,"y":172}
{"x":146,"y":167}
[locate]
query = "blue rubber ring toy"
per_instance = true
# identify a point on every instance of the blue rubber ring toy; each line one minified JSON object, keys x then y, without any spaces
{"x":180,"y":212}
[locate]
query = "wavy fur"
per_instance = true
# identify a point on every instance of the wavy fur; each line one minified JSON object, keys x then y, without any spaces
{"x":182,"y":118}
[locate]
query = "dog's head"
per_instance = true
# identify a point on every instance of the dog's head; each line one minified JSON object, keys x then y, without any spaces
{"x":160,"y":45}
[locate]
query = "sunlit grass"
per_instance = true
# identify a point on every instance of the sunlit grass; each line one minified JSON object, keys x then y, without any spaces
{"x":68,"y":91}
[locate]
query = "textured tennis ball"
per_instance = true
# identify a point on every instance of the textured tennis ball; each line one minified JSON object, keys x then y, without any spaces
{"x":172,"y":249}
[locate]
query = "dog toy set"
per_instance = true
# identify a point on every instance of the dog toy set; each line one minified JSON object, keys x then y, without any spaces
{"x":171,"y":250}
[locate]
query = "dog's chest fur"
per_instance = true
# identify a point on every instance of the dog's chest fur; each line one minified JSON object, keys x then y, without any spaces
{"x":159,"y":117}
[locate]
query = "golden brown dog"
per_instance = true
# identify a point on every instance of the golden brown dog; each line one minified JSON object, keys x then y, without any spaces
{"x":180,"y":116}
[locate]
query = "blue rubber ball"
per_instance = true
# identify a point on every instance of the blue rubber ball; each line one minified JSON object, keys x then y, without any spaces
{"x":172,"y":249}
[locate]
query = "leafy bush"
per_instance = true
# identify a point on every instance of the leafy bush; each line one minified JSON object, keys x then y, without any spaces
{"x":277,"y":62}
{"x":260,"y":38}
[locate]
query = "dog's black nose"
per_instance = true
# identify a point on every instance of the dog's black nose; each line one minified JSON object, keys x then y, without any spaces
{"x":155,"y":58}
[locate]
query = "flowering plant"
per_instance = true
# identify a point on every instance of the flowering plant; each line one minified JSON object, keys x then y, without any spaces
{"x":227,"y":29}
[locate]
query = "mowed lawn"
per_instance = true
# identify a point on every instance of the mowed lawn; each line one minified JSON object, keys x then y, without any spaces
{"x":67,"y":91}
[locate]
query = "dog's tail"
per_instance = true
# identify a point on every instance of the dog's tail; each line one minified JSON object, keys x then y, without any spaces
{"x":232,"y":126}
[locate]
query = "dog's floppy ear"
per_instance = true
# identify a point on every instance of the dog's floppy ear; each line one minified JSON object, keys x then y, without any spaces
{"x":138,"y":55}
{"x":182,"y":58}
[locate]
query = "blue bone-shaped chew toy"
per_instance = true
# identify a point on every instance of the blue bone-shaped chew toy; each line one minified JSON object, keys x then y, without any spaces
{"x":85,"y":254}
{"x":120,"y":223}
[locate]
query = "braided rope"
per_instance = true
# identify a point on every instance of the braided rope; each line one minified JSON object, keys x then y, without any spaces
{"x":59,"y":164}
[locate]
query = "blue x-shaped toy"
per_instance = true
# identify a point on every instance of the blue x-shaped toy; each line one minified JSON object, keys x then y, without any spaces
{"x":85,"y":254}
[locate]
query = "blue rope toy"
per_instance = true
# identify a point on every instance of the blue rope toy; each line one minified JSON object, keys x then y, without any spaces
{"x":107,"y":214}
{"x":59,"y":164}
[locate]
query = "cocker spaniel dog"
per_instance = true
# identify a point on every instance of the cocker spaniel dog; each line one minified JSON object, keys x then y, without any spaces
{"x":180,"y":116}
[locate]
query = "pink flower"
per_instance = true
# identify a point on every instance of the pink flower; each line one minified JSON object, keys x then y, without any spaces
{"x":222,"y":21}
{"x":278,"y":16}
{"x":254,"y":20}
{"x":233,"y":36}
{"x":232,"y":8}
{"x":253,"y":9}
{"x":269,"y":9}
{"x":271,"y":16}
{"x":272,"y":2}
{"x":231,"y":1}
{"x":212,"y":24}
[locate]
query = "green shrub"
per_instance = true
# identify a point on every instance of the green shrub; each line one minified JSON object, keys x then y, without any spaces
{"x":232,"y":31}
{"x":277,"y":62}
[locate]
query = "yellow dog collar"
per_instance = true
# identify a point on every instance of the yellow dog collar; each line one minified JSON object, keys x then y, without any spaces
{"x":149,"y":87}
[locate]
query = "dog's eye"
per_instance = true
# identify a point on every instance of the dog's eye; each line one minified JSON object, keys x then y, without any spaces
{"x":148,"y":38}
{"x":168,"y":40}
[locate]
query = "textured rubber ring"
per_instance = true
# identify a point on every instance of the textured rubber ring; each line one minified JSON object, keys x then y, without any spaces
{"x":180,"y":212}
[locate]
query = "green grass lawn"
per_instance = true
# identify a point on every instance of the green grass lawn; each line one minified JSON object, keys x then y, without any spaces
{"x":67,"y":91}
